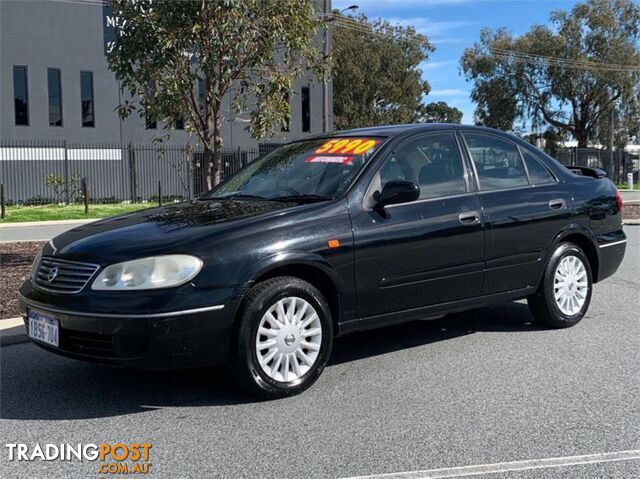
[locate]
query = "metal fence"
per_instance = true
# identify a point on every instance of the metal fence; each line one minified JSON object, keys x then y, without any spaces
{"x":36,"y":172}
{"x":617,"y":163}
{"x":41,"y":172}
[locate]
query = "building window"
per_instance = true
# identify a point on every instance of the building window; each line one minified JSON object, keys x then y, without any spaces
{"x":86,"y":97}
{"x":179,"y":124}
{"x":21,"y":96}
{"x":150,"y":123}
{"x":306,"y":109}
{"x":55,"y":97}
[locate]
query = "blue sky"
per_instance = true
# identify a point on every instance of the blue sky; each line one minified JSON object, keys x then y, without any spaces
{"x":452,"y":26}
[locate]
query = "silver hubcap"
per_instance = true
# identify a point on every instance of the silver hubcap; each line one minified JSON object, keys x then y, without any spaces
{"x":288,"y":339}
{"x":570,"y":285}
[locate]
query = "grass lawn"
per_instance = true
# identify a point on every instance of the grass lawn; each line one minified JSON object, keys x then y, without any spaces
{"x":624,"y":186}
{"x":70,"y":212}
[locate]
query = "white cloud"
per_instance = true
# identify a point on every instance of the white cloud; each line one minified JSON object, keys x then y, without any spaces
{"x":429,"y":27}
{"x":424,"y":66}
{"x":451,"y":92}
{"x":447,"y":41}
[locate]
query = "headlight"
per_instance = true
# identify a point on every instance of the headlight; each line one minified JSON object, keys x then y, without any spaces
{"x":148,"y":273}
{"x":36,"y":263}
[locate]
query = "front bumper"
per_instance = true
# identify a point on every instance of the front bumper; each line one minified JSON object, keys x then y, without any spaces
{"x":164,"y":340}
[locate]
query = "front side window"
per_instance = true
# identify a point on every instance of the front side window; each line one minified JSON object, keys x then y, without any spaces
{"x":538,"y":173}
{"x":313,"y":169}
{"x":498,"y":162}
{"x":431,"y":161}
{"x":21,"y":96}
{"x":55,"y":97}
{"x":87,"y":101}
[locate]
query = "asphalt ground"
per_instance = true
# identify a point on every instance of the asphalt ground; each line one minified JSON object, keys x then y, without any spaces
{"x":483,"y":387}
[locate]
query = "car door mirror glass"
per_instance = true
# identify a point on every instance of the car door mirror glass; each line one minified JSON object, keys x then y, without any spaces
{"x":396,"y":192}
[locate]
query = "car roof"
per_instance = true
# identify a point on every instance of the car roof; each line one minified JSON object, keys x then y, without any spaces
{"x":394,"y":130}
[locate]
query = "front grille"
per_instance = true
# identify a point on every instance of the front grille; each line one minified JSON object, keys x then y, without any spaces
{"x":101,"y":345}
{"x":63,"y":276}
{"x":88,"y":343}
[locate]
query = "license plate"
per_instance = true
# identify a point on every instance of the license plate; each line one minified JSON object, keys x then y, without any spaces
{"x":43,"y":328}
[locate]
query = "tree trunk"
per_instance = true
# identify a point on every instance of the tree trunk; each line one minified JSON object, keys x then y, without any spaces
{"x":206,"y":182}
{"x":581,"y":134}
{"x":583,"y":139}
{"x":216,"y":172}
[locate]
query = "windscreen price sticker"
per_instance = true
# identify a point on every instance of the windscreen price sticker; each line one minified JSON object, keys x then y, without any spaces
{"x":342,"y":150}
{"x":345,"y":160}
{"x":347,"y":146}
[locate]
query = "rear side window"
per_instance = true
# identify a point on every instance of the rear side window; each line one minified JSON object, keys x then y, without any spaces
{"x":538,"y":173}
{"x":432,"y":161}
{"x":497,"y":162}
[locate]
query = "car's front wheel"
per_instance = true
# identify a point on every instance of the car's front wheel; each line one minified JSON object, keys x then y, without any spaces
{"x":283,"y":339}
{"x":565,"y":292}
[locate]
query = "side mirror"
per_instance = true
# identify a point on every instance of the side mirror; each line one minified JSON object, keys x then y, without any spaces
{"x":397,"y":191}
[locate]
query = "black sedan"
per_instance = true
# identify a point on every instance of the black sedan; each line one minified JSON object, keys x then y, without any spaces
{"x":327,"y":236}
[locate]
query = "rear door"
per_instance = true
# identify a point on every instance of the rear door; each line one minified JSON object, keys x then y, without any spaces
{"x":424,"y":252}
{"x":524,"y":208}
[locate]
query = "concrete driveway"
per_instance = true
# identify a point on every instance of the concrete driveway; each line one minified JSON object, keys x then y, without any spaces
{"x":628,"y":195}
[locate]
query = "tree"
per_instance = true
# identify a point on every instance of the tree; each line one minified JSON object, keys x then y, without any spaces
{"x":181,"y":59}
{"x":376,"y":74}
{"x":552,"y":140}
{"x":440,"y":112}
{"x":569,"y":76}
{"x":626,"y":125}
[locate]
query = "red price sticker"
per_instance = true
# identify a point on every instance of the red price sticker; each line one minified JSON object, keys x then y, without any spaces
{"x":344,"y":160}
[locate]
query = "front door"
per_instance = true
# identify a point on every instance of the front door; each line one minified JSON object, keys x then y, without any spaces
{"x":425,"y":252}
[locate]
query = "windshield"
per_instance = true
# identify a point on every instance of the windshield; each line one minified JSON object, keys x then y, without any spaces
{"x":317,"y":169}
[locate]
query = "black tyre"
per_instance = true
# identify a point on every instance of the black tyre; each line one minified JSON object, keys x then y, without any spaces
{"x":565,"y":291}
{"x":283,"y":339}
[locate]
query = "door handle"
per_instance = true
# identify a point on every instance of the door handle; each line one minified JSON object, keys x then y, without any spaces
{"x":557,"y":204}
{"x":469,"y":218}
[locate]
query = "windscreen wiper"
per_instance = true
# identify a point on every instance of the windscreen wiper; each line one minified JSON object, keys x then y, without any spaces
{"x":303,"y":197}
{"x":236,"y":196}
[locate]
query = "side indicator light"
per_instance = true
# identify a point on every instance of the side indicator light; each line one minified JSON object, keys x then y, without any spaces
{"x":333,"y":243}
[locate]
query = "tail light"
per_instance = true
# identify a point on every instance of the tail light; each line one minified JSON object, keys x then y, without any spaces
{"x":619,"y":200}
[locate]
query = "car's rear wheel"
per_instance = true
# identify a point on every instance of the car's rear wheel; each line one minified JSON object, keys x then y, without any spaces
{"x":565,"y":292}
{"x":284,"y":337}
